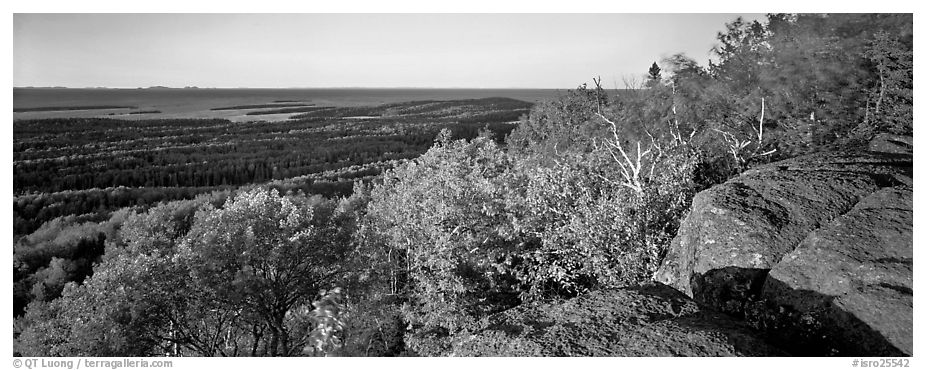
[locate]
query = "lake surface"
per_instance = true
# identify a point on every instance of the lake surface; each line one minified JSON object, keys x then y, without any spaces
{"x":197,"y":103}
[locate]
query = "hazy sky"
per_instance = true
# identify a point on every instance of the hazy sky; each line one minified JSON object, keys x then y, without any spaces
{"x":351,"y":50}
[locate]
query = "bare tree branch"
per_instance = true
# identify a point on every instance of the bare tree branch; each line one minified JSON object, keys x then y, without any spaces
{"x":630,"y":169}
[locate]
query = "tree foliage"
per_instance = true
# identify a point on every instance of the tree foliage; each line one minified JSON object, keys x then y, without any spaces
{"x":585,"y":193}
{"x":442,"y":224}
{"x":233,"y":279}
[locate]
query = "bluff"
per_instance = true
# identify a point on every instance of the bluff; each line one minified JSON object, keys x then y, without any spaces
{"x":816,"y":250}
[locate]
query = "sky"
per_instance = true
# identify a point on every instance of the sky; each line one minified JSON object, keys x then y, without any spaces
{"x":352,"y":50}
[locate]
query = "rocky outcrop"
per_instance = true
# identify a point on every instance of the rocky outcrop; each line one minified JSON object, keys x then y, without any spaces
{"x":808,"y":238}
{"x":855,"y":276}
{"x":652,"y":320}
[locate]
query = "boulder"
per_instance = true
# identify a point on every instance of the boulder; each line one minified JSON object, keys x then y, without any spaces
{"x":738,"y":231}
{"x":652,"y":320}
{"x":854,"y":276}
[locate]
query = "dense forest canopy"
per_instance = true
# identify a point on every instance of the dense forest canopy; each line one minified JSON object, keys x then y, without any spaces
{"x":86,"y":166}
{"x":585,"y":193}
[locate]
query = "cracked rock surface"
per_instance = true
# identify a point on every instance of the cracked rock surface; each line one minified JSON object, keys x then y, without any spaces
{"x":827,"y":236}
{"x":856,"y":275}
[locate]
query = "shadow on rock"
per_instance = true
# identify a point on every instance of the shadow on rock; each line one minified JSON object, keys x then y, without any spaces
{"x":821,"y":327}
{"x":649,"y":320}
{"x":729,"y":289}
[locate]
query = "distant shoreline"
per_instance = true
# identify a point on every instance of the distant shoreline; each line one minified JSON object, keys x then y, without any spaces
{"x":287,"y":88}
{"x":72,"y":108}
{"x":234,"y":104}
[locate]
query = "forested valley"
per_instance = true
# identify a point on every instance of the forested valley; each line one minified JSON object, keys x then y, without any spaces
{"x":393,"y":230}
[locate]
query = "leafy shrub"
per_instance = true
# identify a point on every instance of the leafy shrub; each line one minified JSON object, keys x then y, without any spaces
{"x":234,"y":280}
{"x":590,"y":232}
{"x":467,"y":230}
{"x":442,"y":223}
{"x":118,"y":311}
{"x":558,"y":125}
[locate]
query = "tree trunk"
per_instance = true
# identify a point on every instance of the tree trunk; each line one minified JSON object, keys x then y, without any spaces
{"x":274,"y":342}
{"x":256,"y":335}
{"x":279,"y":339}
{"x":881,"y":89}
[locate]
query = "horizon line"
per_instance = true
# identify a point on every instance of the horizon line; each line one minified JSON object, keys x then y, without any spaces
{"x":157,"y":87}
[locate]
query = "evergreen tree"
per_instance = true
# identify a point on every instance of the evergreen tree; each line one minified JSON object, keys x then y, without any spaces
{"x":654,"y":75}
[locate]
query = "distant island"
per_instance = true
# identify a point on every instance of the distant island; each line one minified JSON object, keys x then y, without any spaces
{"x":71,"y":108}
{"x":157,"y":87}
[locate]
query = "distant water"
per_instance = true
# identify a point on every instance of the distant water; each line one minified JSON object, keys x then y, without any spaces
{"x":196,"y":103}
